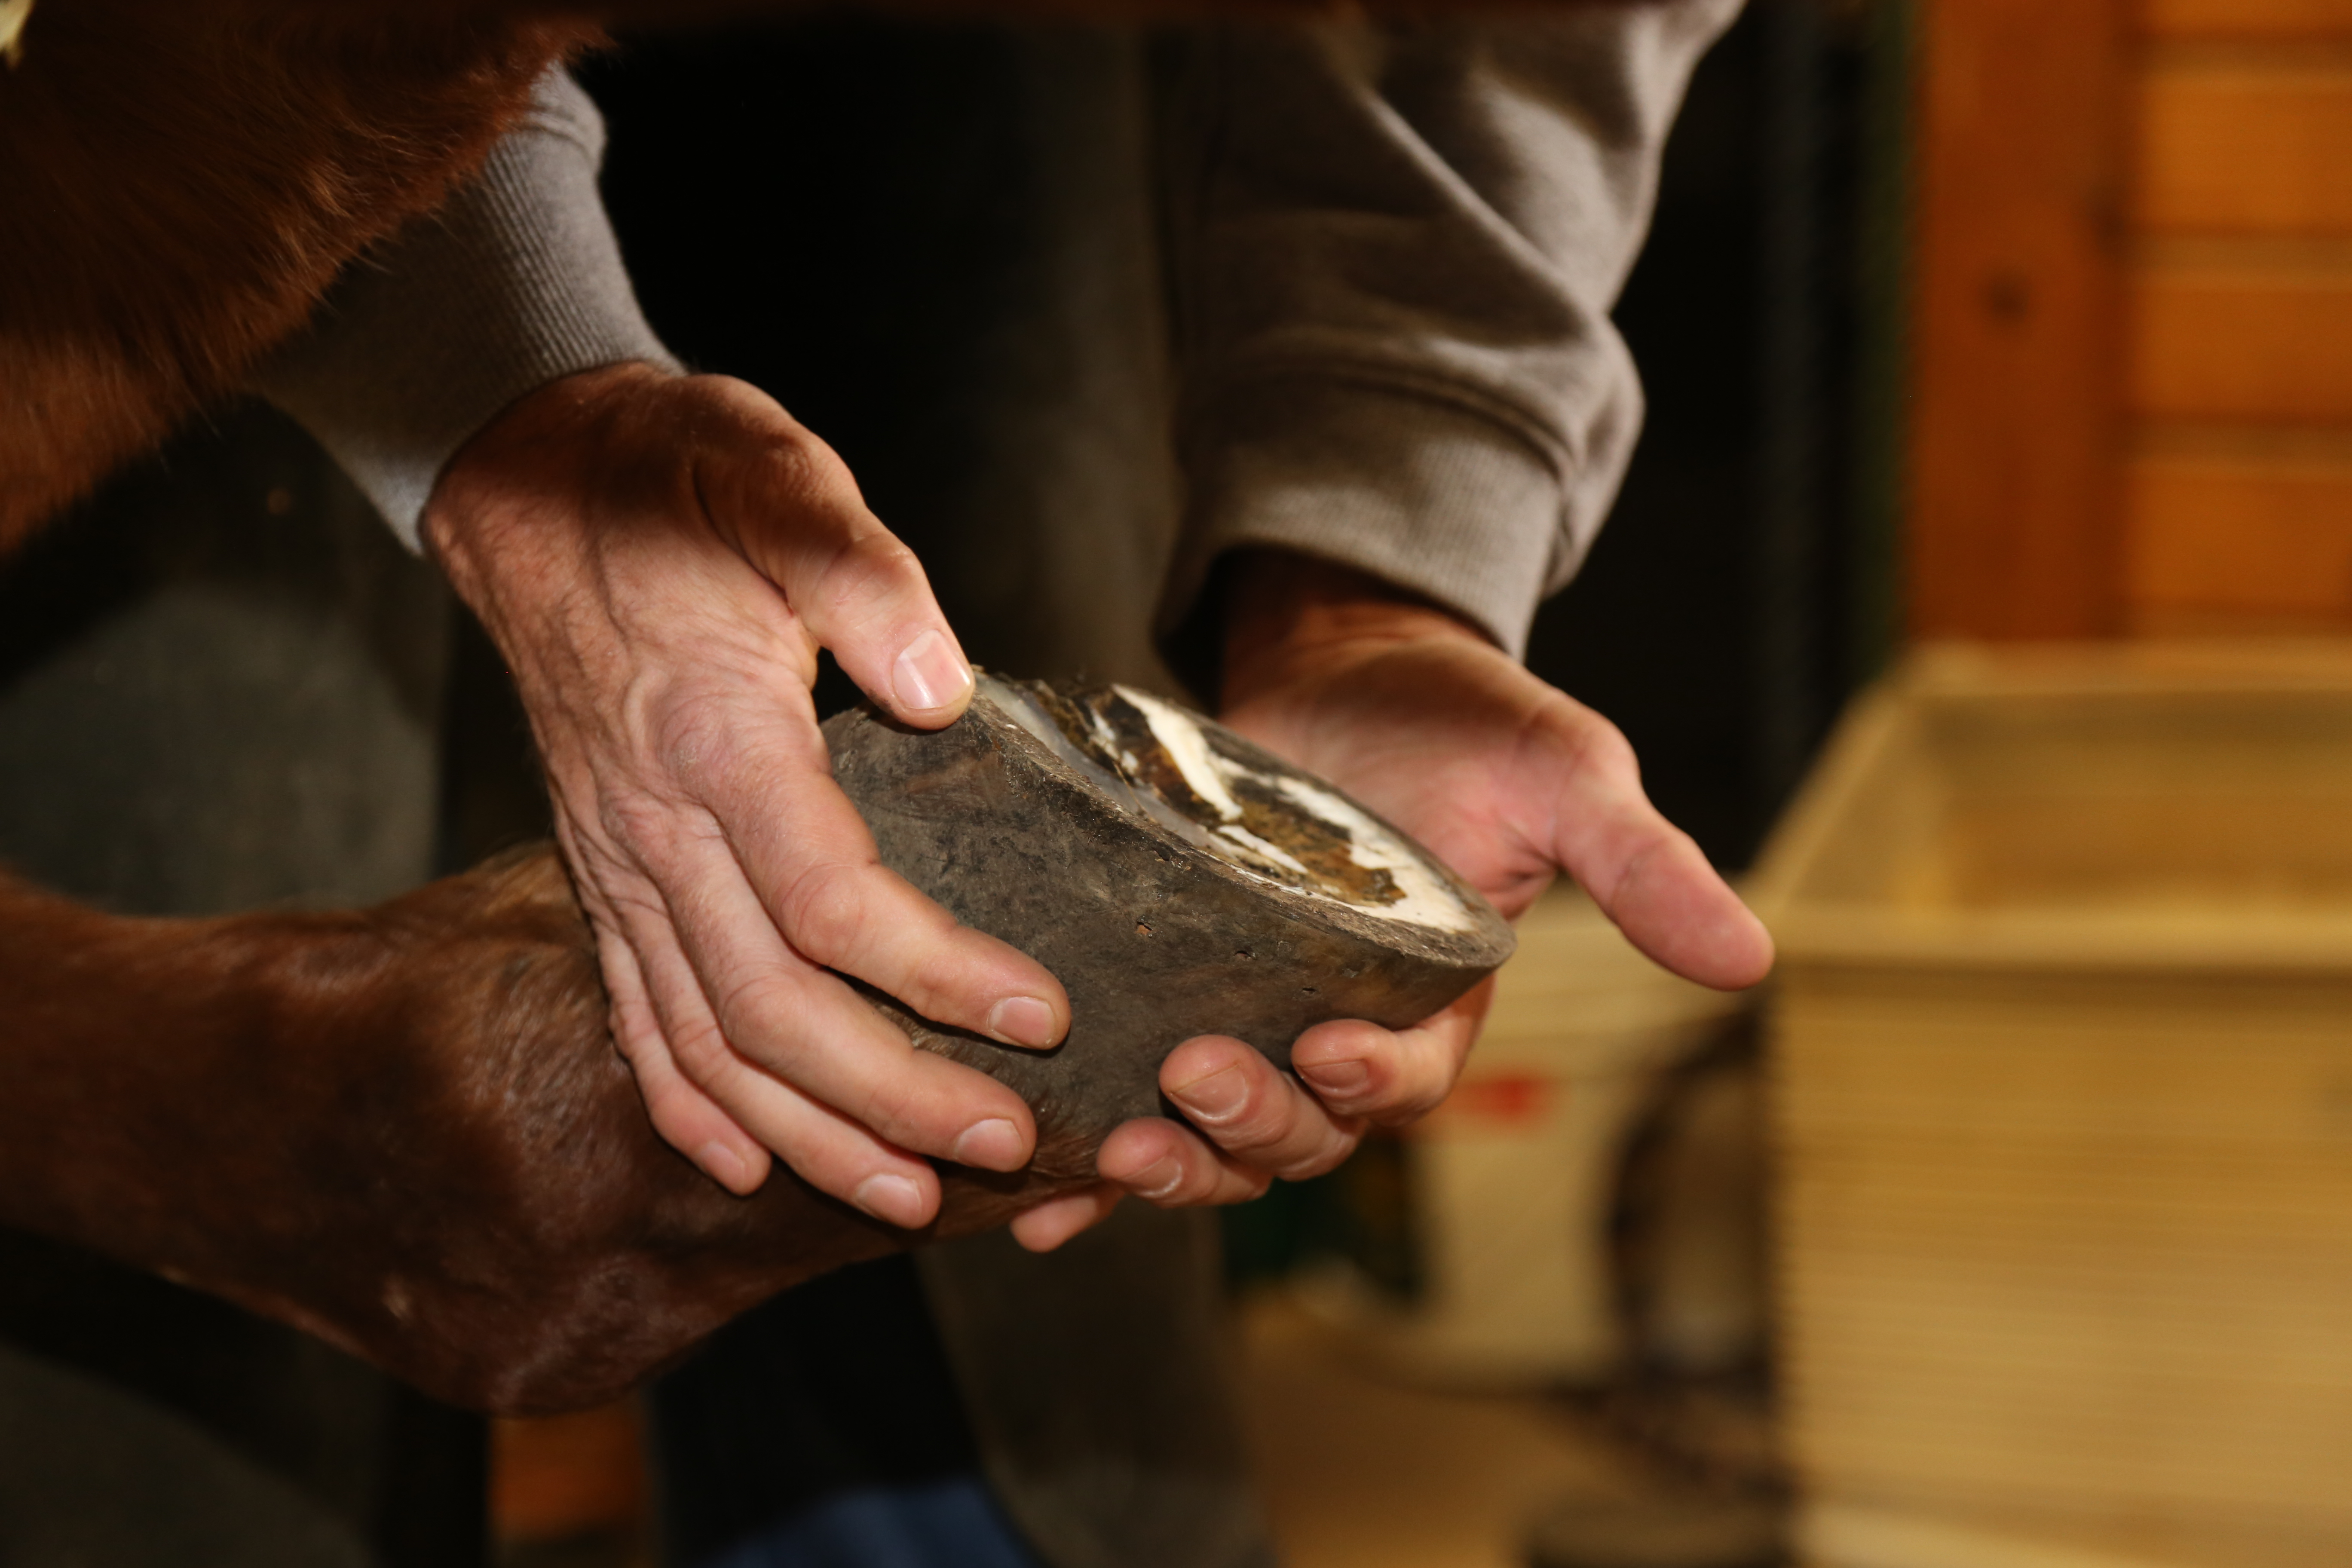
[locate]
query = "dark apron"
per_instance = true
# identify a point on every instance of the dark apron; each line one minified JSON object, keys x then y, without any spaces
{"x":220,"y":687}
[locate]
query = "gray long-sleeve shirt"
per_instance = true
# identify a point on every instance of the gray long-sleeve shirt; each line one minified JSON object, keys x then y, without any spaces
{"x":515,"y":282}
{"x":1393,"y":250}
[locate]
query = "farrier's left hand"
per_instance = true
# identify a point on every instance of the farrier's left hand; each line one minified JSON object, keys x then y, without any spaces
{"x":1505,"y":777}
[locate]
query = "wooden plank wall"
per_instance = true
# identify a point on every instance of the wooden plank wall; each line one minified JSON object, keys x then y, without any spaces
{"x":2132,"y":398}
{"x":2238,"y":375}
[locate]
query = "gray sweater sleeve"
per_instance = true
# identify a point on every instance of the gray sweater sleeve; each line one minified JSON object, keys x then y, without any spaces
{"x":1395,"y":248}
{"x":515,"y":282}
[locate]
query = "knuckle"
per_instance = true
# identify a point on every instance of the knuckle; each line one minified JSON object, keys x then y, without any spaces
{"x":705,"y":1058}
{"x":871,"y":566}
{"x":823,"y":911}
{"x":1608,"y":755}
{"x":805,"y":470}
{"x":639,"y":827}
{"x":637,"y":1036}
{"x":1265,"y":1123}
{"x":750,"y":1008}
{"x":877,"y":558}
{"x":1595,"y":743}
{"x":893,"y":1106}
{"x":696,"y":741}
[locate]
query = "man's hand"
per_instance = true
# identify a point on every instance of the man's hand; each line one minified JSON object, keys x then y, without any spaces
{"x":1505,"y":777}
{"x":660,"y":558}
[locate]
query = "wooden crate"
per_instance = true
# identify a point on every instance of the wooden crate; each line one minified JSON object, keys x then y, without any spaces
{"x":2061,"y":1060}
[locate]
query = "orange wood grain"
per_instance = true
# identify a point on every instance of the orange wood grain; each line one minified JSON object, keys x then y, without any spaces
{"x":2015,"y":469}
{"x":2220,"y":541}
{"x":2243,"y":343}
{"x":2228,"y":146}
{"x":2246,"y":18}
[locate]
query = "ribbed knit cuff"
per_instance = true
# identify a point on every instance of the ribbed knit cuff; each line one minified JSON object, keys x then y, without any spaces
{"x":1432,"y":498}
{"x":516,"y":282}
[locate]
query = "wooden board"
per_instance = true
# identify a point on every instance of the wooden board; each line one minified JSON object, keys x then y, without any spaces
{"x":2253,"y":338}
{"x":2239,"y":146}
{"x":2238,"y":502}
{"x":2014,"y":476}
{"x":2256,"y":538}
{"x":2179,"y":19}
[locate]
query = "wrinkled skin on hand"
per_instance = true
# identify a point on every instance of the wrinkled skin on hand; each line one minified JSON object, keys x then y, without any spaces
{"x":660,"y":558}
{"x":404,"y":1129}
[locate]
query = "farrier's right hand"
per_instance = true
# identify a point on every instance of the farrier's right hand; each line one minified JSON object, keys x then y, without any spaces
{"x":660,"y":557}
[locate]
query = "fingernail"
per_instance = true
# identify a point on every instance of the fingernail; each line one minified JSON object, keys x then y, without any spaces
{"x":725,"y":1166}
{"x":992,"y":1145}
{"x":1021,"y":1021}
{"x":1157,"y":1181}
{"x":930,"y":673}
{"x":1345,"y":1079}
{"x":894,"y":1200}
{"x":1215,"y":1097}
